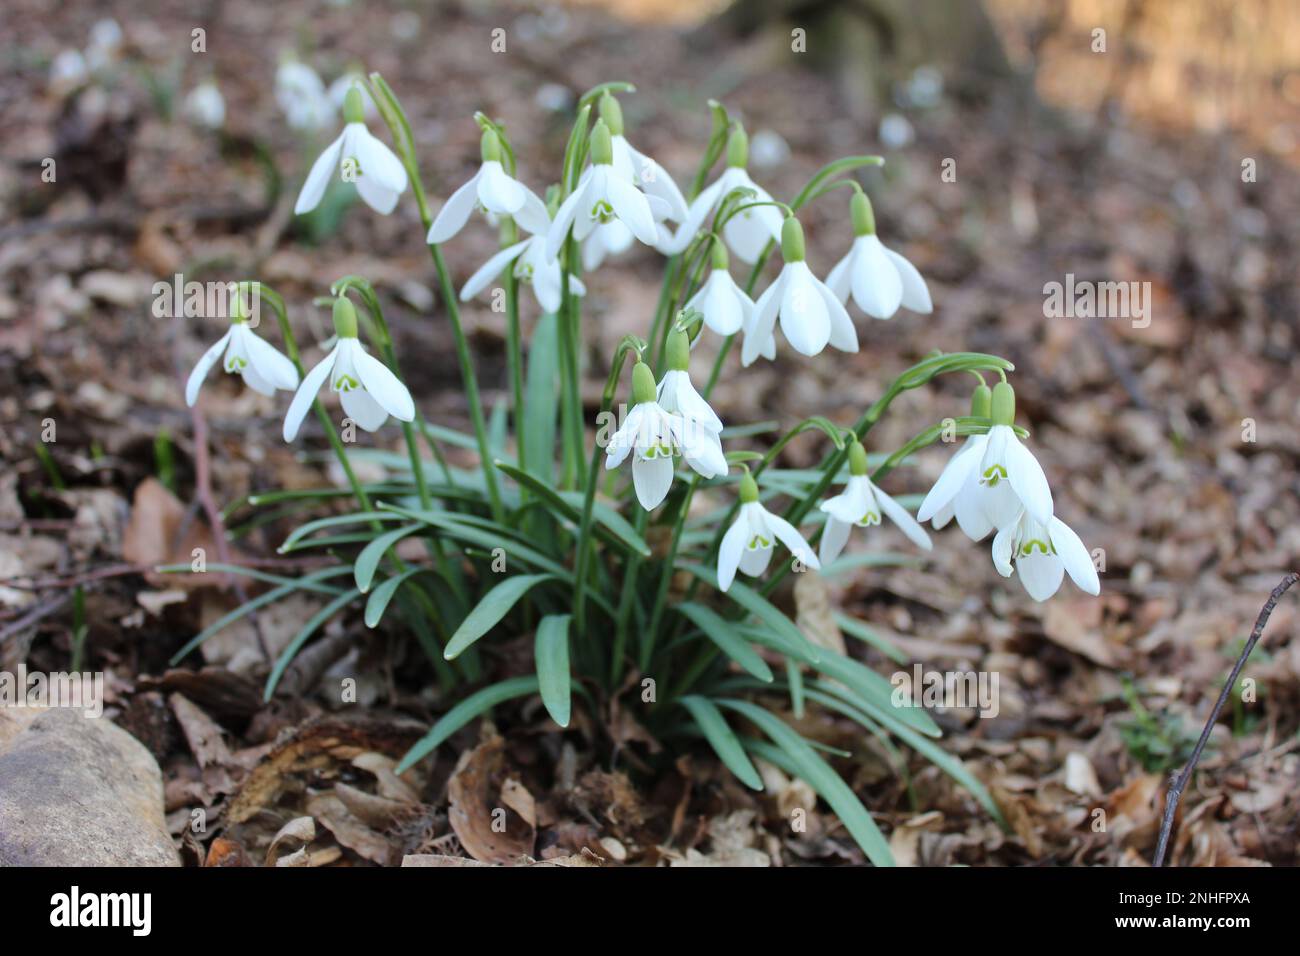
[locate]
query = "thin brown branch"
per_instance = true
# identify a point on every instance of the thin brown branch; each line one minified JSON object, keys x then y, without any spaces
{"x":1180,"y":783}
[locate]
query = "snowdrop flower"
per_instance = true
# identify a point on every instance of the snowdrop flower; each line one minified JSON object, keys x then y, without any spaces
{"x":879,"y":279}
{"x":861,"y":504}
{"x":302,"y":96}
{"x":259,"y":363}
{"x":1042,"y":552}
{"x":205,"y":106}
{"x":747,"y":545}
{"x":748,"y":232}
{"x":530,"y":266}
{"x":601,"y":197}
{"x":965,"y":505}
{"x":359,"y":158}
{"x":369,"y":391}
{"x":724,"y":305}
{"x":811,"y":316}
{"x":655,"y":436}
{"x":701,"y":427}
{"x":68,"y":71}
{"x":992,"y":478}
{"x":492,"y":190}
{"x":637,"y":168}
{"x":105,"y":44}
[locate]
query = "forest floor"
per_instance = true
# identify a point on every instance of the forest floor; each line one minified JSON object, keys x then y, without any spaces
{"x":1171,"y":444}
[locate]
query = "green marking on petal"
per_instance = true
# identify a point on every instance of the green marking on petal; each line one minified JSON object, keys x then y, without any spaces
{"x":346,"y":383}
{"x":602,"y":211}
{"x":993,"y":475}
{"x":758,"y":541}
{"x":868,"y":519}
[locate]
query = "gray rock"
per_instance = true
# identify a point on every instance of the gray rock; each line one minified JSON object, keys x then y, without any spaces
{"x":78,"y":791}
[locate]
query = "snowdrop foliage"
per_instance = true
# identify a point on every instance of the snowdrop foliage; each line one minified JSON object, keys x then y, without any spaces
{"x":359,"y":157}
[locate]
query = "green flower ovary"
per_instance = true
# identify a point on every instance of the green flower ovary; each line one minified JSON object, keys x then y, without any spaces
{"x":992,"y":475}
{"x":346,"y":383}
{"x":602,"y":211}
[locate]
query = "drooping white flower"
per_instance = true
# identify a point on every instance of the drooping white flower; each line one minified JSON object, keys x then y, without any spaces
{"x":747,"y":545}
{"x":1042,"y":553}
{"x":367,"y":388}
{"x":701,"y":428}
{"x":105,"y":44}
{"x":262,"y":367}
{"x":725,"y":306}
{"x":358,"y":157}
{"x":993,"y":477}
{"x":653,"y":436}
{"x":492,"y":190}
{"x":530,"y":265}
{"x":301,"y":94}
{"x":879,"y":279}
{"x":746,"y":233}
{"x":68,"y":71}
{"x":861,"y":504}
{"x":636,"y":167}
{"x":205,"y":106}
{"x":601,"y":197}
{"x":811,"y":317}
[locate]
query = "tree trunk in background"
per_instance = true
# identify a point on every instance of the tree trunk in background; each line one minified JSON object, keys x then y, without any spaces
{"x":869,"y":44}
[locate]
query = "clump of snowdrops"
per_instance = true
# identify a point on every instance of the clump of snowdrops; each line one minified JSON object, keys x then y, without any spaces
{"x":549,"y":535}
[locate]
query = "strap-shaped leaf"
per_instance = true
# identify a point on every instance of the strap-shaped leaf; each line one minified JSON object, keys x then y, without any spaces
{"x":297,"y":534}
{"x":495,"y":605}
{"x":382,"y":595}
{"x":464,"y":712}
{"x":539,"y":398}
{"x":819,"y":775}
{"x":723,"y":741}
{"x":760,"y":607}
{"x":551,"y":657}
{"x":610,"y":526}
{"x":368,"y":560}
{"x":722,"y":633}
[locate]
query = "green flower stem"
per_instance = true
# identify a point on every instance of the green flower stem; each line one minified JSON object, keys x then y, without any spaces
{"x":666,"y":576}
{"x":400,"y":127}
{"x":571,"y":425}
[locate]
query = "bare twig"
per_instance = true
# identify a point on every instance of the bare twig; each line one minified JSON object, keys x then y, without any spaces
{"x":1176,"y":790}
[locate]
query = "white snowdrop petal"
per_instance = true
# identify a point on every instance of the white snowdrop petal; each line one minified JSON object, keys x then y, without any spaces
{"x":838,"y":279}
{"x":1027,"y":478}
{"x":491,"y":270}
{"x":955,"y":474}
{"x":378,"y":379}
{"x":1075,"y":556}
{"x":804,"y":321}
{"x":362,"y":407}
{"x":631,"y":207}
{"x":377,"y":161}
{"x":652,"y":477}
{"x":789,"y":536}
{"x":564,"y":219}
{"x":901,"y":517}
{"x":1003,"y":542}
{"x":877,"y":288}
{"x":1041,"y":574}
{"x":916,"y":296}
{"x":730,"y":551}
{"x":835,"y":534}
{"x":379,"y":198}
{"x":843,"y":334}
{"x":318,"y":179}
{"x":203,"y":366}
{"x":759,"y":332}
{"x":498,"y":192}
{"x":306,"y":394}
{"x":455,"y":212}
{"x":269,"y":363}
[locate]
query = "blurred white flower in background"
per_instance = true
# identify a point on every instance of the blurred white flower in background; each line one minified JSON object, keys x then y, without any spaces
{"x":302,"y":95}
{"x":205,"y":106}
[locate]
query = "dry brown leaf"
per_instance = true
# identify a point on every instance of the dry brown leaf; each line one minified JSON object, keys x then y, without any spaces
{"x":488,"y":831}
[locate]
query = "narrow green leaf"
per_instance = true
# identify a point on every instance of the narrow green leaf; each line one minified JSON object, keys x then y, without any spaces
{"x":332,"y":522}
{"x":551,"y":657}
{"x":495,"y":605}
{"x":819,"y":775}
{"x":610,"y":526}
{"x":859,"y":629}
{"x":722,"y":633}
{"x":308,"y":582}
{"x":761,"y":608}
{"x":382,"y":595}
{"x":794,"y":677}
{"x":723,"y":741}
{"x":464,"y":712}
{"x":483,"y":533}
{"x":368,"y":560}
